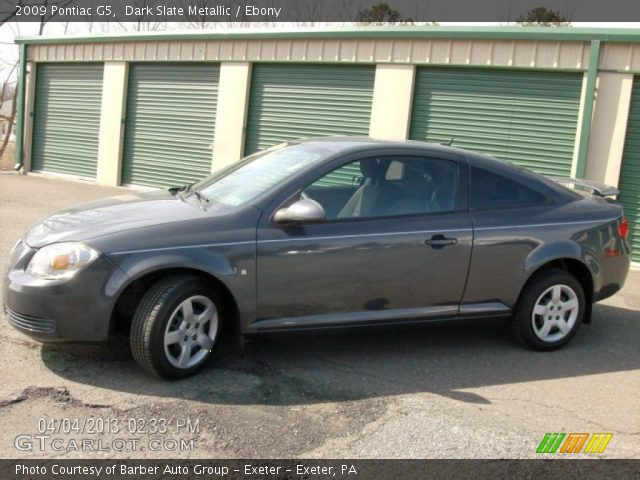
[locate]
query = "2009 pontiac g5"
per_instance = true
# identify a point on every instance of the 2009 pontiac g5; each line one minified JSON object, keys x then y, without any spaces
{"x":335,"y":232}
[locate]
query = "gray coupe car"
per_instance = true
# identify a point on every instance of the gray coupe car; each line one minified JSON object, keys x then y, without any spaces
{"x":318,"y":234}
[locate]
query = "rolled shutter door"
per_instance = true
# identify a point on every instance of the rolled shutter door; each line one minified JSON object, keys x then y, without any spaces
{"x":630,"y":173}
{"x":528,"y":118}
{"x":66,"y":121}
{"x":299,"y":101}
{"x":170,"y":121}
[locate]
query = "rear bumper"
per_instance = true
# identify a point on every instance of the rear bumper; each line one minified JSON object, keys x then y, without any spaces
{"x":613,"y":273}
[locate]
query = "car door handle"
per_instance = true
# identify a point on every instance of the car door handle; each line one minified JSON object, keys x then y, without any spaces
{"x":439,"y":241}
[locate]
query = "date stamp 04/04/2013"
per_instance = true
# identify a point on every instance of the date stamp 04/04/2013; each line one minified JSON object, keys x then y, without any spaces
{"x":104,"y":434}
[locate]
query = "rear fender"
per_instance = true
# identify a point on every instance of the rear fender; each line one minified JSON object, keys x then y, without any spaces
{"x":549,"y":252}
{"x":564,"y":250}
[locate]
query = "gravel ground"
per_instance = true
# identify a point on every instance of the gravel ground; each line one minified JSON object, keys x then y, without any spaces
{"x":438,"y":392}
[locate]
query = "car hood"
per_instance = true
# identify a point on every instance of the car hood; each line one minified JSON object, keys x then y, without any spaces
{"x":114,"y":214}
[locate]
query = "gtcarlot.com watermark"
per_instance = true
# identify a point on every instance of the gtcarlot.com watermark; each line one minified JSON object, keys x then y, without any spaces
{"x":100,"y":434}
{"x":43,"y":443}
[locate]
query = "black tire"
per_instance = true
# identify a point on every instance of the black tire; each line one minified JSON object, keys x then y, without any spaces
{"x":152,"y":315}
{"x":522,"y":322}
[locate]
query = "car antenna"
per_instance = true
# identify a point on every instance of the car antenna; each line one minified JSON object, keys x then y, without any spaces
{"x":448,"y":144}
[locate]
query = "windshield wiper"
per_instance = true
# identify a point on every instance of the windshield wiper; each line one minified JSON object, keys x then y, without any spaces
{"x":199,"y":196}
{"x":189,"y":189}
{"x":185,"y":188}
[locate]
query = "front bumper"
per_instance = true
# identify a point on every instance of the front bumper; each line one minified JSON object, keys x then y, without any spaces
{"x":75,"y":310}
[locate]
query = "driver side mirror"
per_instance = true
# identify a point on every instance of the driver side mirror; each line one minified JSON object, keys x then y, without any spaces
{"x":302,"y":211}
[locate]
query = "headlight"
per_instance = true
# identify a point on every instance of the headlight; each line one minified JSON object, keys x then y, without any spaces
{"x":61,"y":260}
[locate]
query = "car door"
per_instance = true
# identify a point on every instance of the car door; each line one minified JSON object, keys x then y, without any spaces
{"x":398,"y":249}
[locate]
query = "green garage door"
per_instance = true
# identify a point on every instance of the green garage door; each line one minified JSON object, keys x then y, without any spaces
{"x":630,"y":173}
{"x":297,"y":101}
{"x":528,"y":118}
{"x":170,"y":120}
{"x":66,"y":118}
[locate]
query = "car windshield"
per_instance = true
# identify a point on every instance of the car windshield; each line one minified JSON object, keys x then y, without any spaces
{"x":258,"y":173}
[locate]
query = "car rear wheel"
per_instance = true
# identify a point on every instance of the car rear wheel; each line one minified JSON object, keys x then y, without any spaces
{"x":175,"y":327}
{"x":550,"y":311}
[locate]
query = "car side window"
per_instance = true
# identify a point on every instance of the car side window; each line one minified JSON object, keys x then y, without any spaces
{"x":387,"y":186}
{"x":345,"y":176}
{"x":490,"y":190}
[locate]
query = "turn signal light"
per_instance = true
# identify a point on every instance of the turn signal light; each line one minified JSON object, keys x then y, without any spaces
{"x":623,"y":228}
{"x":60,"y":262}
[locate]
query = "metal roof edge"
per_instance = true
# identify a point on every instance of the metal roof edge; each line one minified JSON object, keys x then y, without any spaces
{"x":628,"y":35}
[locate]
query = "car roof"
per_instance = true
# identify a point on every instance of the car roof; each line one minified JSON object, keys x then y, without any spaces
{"x":348,"y":143}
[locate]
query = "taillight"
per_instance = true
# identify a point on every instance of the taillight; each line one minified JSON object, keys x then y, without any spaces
{"x":623,"y":228}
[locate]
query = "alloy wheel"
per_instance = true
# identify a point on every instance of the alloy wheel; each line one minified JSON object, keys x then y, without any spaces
{"x":555,"y":313}
{"x":191,"y":332}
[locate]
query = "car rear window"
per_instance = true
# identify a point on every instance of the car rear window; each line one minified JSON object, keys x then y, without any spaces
{"x":490,"y":190}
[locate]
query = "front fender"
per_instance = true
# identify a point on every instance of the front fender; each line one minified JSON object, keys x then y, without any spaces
{"x":140,"y":264}
{"x":232,"y":265}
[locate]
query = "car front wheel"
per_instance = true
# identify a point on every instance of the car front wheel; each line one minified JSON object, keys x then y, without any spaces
{"x":550,"y":311}
{"x":175,"y":327}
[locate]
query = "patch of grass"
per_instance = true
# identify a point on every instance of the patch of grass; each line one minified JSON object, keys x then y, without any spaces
{"x":8,"y":157}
